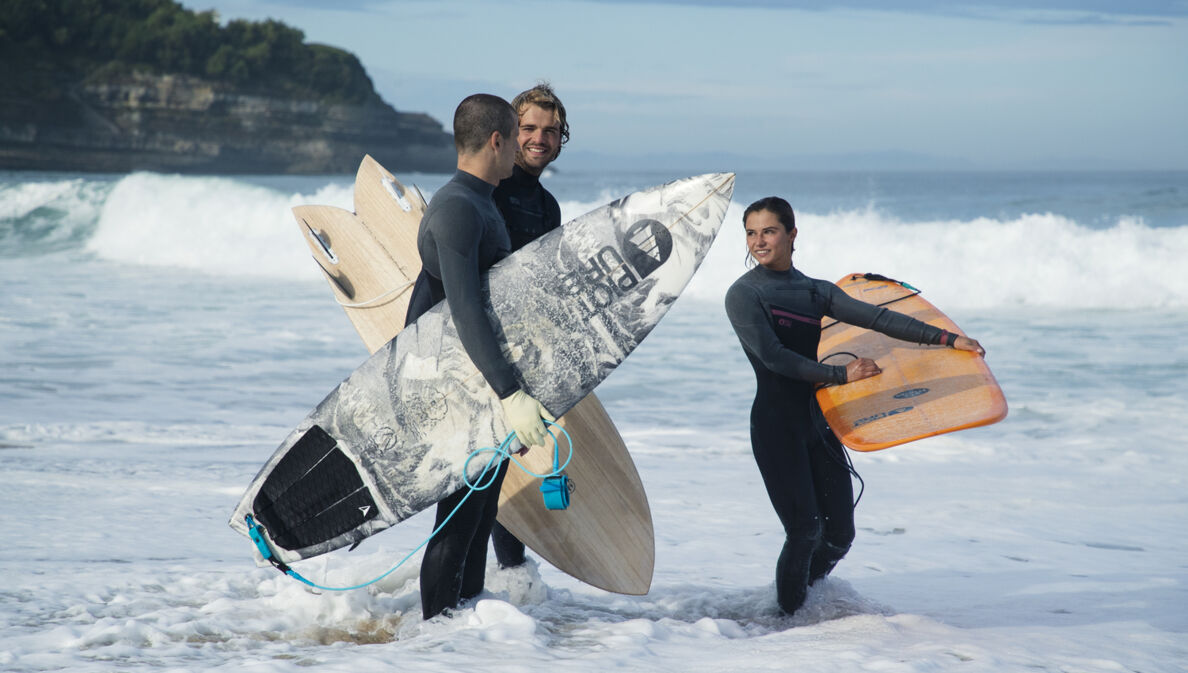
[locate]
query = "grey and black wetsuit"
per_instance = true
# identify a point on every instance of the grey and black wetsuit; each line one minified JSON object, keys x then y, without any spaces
{"x":461,"y":236}
{"x":777,"y":317}
{"x":530,"y":211}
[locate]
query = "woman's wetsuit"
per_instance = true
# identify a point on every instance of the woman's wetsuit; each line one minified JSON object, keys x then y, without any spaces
{"x":777,"y":317}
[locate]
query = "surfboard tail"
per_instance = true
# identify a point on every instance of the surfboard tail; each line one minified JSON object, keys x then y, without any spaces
{"x":312,"y":500}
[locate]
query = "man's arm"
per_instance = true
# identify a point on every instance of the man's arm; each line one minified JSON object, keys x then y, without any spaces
{"x":461,"y":280}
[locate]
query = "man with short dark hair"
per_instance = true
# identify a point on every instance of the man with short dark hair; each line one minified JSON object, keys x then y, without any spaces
{"x":530,"y":211}
{"x":462,"y":234}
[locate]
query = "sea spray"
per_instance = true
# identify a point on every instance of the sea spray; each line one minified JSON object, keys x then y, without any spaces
{"x":218,"y":225}
{"x":1019,"y":252}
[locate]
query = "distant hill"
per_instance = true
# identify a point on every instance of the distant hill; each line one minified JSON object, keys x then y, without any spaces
{"x":119,"y":85}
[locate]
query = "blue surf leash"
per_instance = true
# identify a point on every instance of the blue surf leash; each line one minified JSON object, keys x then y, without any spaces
{"x":555,"y":488}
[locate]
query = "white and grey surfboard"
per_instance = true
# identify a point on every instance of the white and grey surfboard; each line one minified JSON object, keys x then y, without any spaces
{"x":393,"y":437}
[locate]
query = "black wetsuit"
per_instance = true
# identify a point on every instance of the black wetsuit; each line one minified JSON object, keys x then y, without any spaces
{"x":530,"y":211}
{"x":462,"y":234}
{"x":777,"y":317}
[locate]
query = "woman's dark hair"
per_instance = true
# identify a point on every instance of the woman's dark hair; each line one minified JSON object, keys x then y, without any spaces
{"x":774,"y":204}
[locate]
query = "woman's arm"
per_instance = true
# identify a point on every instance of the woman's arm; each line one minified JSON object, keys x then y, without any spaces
{"x":747,"y":316}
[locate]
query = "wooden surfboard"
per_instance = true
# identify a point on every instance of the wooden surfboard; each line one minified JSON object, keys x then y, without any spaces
{"x":365,"y":257}
{"x":605,"y":537}
{"x":923,"y":390}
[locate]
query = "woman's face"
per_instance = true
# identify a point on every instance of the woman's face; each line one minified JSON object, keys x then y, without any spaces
{"x":767,"y":240}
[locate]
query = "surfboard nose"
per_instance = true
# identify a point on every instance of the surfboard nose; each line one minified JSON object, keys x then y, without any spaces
{"x":703,"y":200}
{"x":719,"y":185}
{"x":725,"y":182}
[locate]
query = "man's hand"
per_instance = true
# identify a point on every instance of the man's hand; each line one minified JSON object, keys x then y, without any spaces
{"x":523,"y":415}
{"x":862,"y":368}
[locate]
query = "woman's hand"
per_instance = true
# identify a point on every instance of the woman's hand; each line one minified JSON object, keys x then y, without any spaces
{"x":862,"y":368}
{"x":967,"y":344}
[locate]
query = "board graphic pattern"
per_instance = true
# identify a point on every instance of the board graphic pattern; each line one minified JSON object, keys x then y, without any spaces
{"x":569,"y":307}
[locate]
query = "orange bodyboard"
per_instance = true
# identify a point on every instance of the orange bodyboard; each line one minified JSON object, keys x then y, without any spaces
{"x":923,"y":390}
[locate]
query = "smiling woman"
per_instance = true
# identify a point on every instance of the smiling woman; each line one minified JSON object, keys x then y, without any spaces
{"x":771,"y":232}
{"x":776,"y":312}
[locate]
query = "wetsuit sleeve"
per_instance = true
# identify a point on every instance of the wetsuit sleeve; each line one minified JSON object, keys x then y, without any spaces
{"x":878,"y":318}
{"x":757,"y":336}
{"x":458,"y":262}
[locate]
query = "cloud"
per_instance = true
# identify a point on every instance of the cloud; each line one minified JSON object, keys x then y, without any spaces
{"x":1044,"y":12}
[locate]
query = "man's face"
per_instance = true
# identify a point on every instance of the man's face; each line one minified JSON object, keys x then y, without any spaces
{"x":540,"y":139}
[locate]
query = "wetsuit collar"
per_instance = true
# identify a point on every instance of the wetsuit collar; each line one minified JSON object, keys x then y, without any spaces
{"x":474,"y":183}
{"x":765,"y":272}
{"x":523,"y":177}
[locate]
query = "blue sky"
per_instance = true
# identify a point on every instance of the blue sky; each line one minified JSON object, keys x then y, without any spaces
{"x":997,"y":84}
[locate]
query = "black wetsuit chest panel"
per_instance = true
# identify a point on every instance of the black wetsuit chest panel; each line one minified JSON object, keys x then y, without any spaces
{"x":777,"y":316}
{"x":796,"y":330}
{"x":529,"y":210}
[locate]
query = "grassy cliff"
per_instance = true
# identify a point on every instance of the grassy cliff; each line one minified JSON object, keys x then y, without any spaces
{"x":101,"y":39}
{"x":121,"y":85}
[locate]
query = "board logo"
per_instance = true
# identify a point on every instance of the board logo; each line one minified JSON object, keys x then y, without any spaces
{"x":882,"y":414}
{"x":608,"y":274}
{"x":648,"y":244}
{"x":365,"y":509}
{"x":914,"y":392}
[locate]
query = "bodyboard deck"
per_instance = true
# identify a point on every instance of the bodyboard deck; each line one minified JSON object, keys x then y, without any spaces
{"x":923,"y":391}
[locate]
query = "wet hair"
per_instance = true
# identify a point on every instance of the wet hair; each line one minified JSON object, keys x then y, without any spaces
{"x":776,"y":206}
{"x":543,"y":96}
{"x":477,"y":117}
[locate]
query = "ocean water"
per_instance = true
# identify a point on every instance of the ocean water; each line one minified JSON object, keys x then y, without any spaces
{"x":159,"y":336}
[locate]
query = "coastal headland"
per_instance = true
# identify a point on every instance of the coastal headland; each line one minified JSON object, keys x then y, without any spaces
{"x":118,"y":86}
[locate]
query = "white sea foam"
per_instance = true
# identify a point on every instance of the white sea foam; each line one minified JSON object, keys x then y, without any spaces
{"x":1042,"y":260}
{"x":224,"y":226}
{"x":137,"y":403}
{"x":217,"y":225}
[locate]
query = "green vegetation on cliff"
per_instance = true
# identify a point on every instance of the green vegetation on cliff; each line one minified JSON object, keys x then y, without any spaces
{"x":49,"y":42}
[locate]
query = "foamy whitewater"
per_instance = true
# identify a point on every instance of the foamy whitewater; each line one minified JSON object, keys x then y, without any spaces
{"x":160,"y":335}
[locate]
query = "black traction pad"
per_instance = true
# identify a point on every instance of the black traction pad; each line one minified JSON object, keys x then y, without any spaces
{"x":313,"y":494}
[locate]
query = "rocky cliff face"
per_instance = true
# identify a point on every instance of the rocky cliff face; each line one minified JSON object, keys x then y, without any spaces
{"x":176,"y":123}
